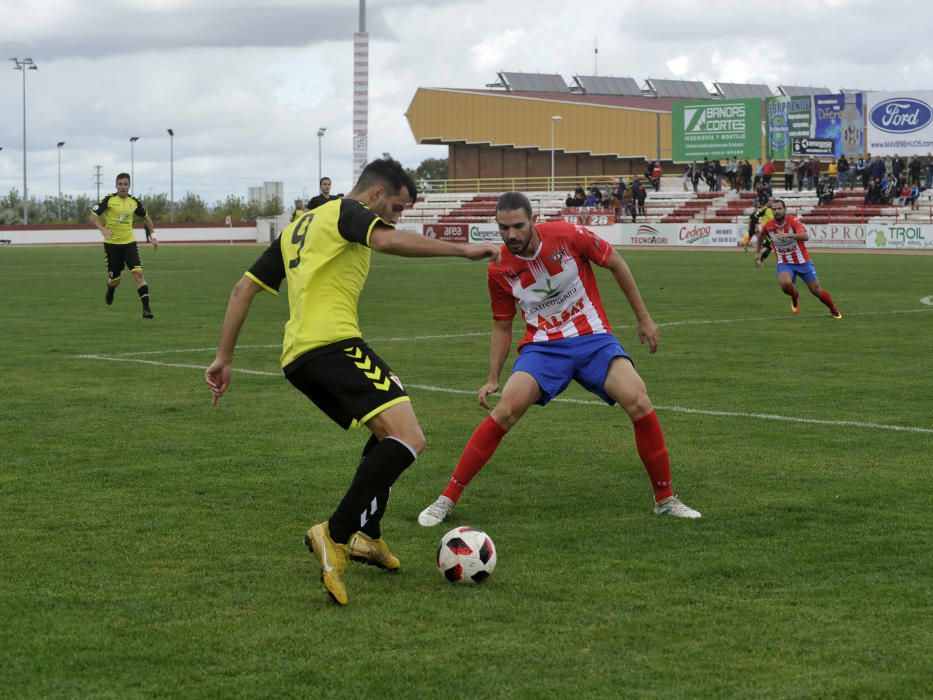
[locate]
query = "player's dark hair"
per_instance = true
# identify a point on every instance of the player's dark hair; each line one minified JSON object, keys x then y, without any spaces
{"x":775,"y":200}
{"x":122,"y":176}
{"x":389,"y":173}
{"x":324,"y":178}
{"x":510,"y":201}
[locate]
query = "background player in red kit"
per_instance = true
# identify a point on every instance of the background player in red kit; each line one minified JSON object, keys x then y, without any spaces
{"x":787,"y":237}
{"x":545,"y":268}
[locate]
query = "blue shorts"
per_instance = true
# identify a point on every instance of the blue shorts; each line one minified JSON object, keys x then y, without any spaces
{"x":805,"y":270}
{"x":585,"y":358}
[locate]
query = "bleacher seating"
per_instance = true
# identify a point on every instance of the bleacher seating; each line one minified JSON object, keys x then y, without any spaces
{"x":674,"y":205}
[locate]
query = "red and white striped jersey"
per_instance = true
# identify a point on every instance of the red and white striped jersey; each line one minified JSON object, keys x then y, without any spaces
{"x":786,"y":249}
{"x":555,"y":288}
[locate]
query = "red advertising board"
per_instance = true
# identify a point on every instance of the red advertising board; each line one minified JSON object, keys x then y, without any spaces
{"x":458,"y":233}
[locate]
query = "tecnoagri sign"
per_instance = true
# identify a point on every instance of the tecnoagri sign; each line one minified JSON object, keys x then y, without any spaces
{"x":716,"y":130}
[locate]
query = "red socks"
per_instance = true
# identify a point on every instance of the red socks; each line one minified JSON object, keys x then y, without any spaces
{"x":477,"y":452}
{"x":827,"y":300}
{"x":650,"y":443}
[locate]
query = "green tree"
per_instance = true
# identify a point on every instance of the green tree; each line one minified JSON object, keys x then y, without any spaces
{"x":191,"y":209}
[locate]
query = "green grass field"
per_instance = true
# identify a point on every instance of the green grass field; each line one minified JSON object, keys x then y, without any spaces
{"x":152,"y":545}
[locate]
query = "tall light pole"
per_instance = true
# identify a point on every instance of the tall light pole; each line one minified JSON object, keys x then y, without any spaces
{"x":554,"y":119}
{"x":24,"y":65}
{"x":60,"y":144}
{"x":171,"y":174}
{"x":320,"y":135}
{"x":133,"y":140}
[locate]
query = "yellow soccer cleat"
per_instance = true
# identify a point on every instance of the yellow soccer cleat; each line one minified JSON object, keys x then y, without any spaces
{"x":373,"y":552}
{"x":332,"y":558}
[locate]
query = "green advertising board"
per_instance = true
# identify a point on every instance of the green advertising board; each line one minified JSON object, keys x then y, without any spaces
{"x":720,"y":129}
{"x":787,"y":118}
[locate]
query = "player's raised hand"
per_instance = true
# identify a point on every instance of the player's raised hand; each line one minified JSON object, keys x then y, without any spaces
{"x":484,"y":391}
{"x":218,"y":377}
{"x":648,"y":332}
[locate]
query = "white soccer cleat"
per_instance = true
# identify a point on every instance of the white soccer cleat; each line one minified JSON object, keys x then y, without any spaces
{"x":435,"y":513}
{"x":674,"y":507}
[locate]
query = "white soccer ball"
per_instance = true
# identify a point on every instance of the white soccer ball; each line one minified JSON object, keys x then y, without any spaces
{"x":466,"y":555}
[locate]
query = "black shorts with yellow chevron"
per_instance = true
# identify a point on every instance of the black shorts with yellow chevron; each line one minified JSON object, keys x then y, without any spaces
{"x":348,"y":381}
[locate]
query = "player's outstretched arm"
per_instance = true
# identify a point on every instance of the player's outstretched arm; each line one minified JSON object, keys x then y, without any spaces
{"x":648,"y":331}
{"x":411,"y":245}
{"x":499,"y":345}
{"x":220,"y":371}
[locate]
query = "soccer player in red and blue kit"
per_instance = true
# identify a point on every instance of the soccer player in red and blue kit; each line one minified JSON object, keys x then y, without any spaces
{"x":787,"y":237}
{"x":545,"y":269}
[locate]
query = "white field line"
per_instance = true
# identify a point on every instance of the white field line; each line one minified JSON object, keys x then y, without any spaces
{"x":466,"y":392}
{"x":472,"y":334}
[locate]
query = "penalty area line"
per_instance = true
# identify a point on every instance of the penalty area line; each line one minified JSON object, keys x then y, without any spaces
{"x":583,"y":402}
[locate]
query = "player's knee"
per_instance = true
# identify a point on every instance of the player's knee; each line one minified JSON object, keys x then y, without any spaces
{"x":114,"y":282}
{"x":415,"y":440}
{"x":638,"y":405}
{"x":505,"y":415}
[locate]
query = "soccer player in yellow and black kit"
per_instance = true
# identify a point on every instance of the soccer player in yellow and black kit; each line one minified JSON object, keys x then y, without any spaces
{"x":325,"y":257}
{"x":117,"y":211}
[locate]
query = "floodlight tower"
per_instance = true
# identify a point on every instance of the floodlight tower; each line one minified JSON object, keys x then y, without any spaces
{"x":24,"y":65}
{"x":133,"y":140}
{"x":360,"y":95}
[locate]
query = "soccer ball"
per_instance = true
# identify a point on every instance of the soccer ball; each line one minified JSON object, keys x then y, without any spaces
{"x":466,"y":555}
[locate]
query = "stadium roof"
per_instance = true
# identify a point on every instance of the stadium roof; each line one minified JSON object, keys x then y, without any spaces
{"x":742,"y":90}
{"x":681,"y":89}
{"x":607,"y":85}
{"x":798,"y":91}
{"x":531,"y":82}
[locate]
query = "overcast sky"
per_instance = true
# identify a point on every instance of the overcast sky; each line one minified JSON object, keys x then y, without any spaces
{"x":246,"y":84}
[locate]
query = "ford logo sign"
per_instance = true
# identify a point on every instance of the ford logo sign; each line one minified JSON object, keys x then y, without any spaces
{"x":901,"y":115}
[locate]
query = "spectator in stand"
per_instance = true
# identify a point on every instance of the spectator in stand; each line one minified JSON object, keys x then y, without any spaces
{"x":697,"y":174}
{"x":579,"y":196}
{"x":914,"y":196}
{"x":656,"y":174}
{"x":628,"y":202}
{"x":590,"y":200}
{"x":618,"y":195}
{"x":718,"y":172}
{"x":759,"y":173}
{"x":731,"y":168}
{"x":824,"y":191}
{"x":889,"y":190}
{"x":688,"y":177}
{"x":913,"y":170}
{"x":877,"y":169}
{"x":928,"y":165}
{"x":843,"y":173}
{"x":832,"y":173}
{"x":858,"y":172}
{"x":897,"y":166}
{"x":767,"y":172}
{"x":903,"y":197}
{"x":763,"y":194}
{"x":640,"y":194}
{"x":872,"y":192}
{"x":790,"y":168}
{"x":813,"y":173}
{"x":803,"y":167}
{"x":746,"y":175}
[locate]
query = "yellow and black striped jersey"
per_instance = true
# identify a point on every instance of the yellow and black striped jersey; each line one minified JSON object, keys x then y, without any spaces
{"x":324,"y":255}
{"x":116,"y":214}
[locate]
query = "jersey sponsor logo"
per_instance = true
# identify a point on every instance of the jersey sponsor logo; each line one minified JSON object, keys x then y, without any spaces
{"x":901,"y":115}
{"x":548,"y":292}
